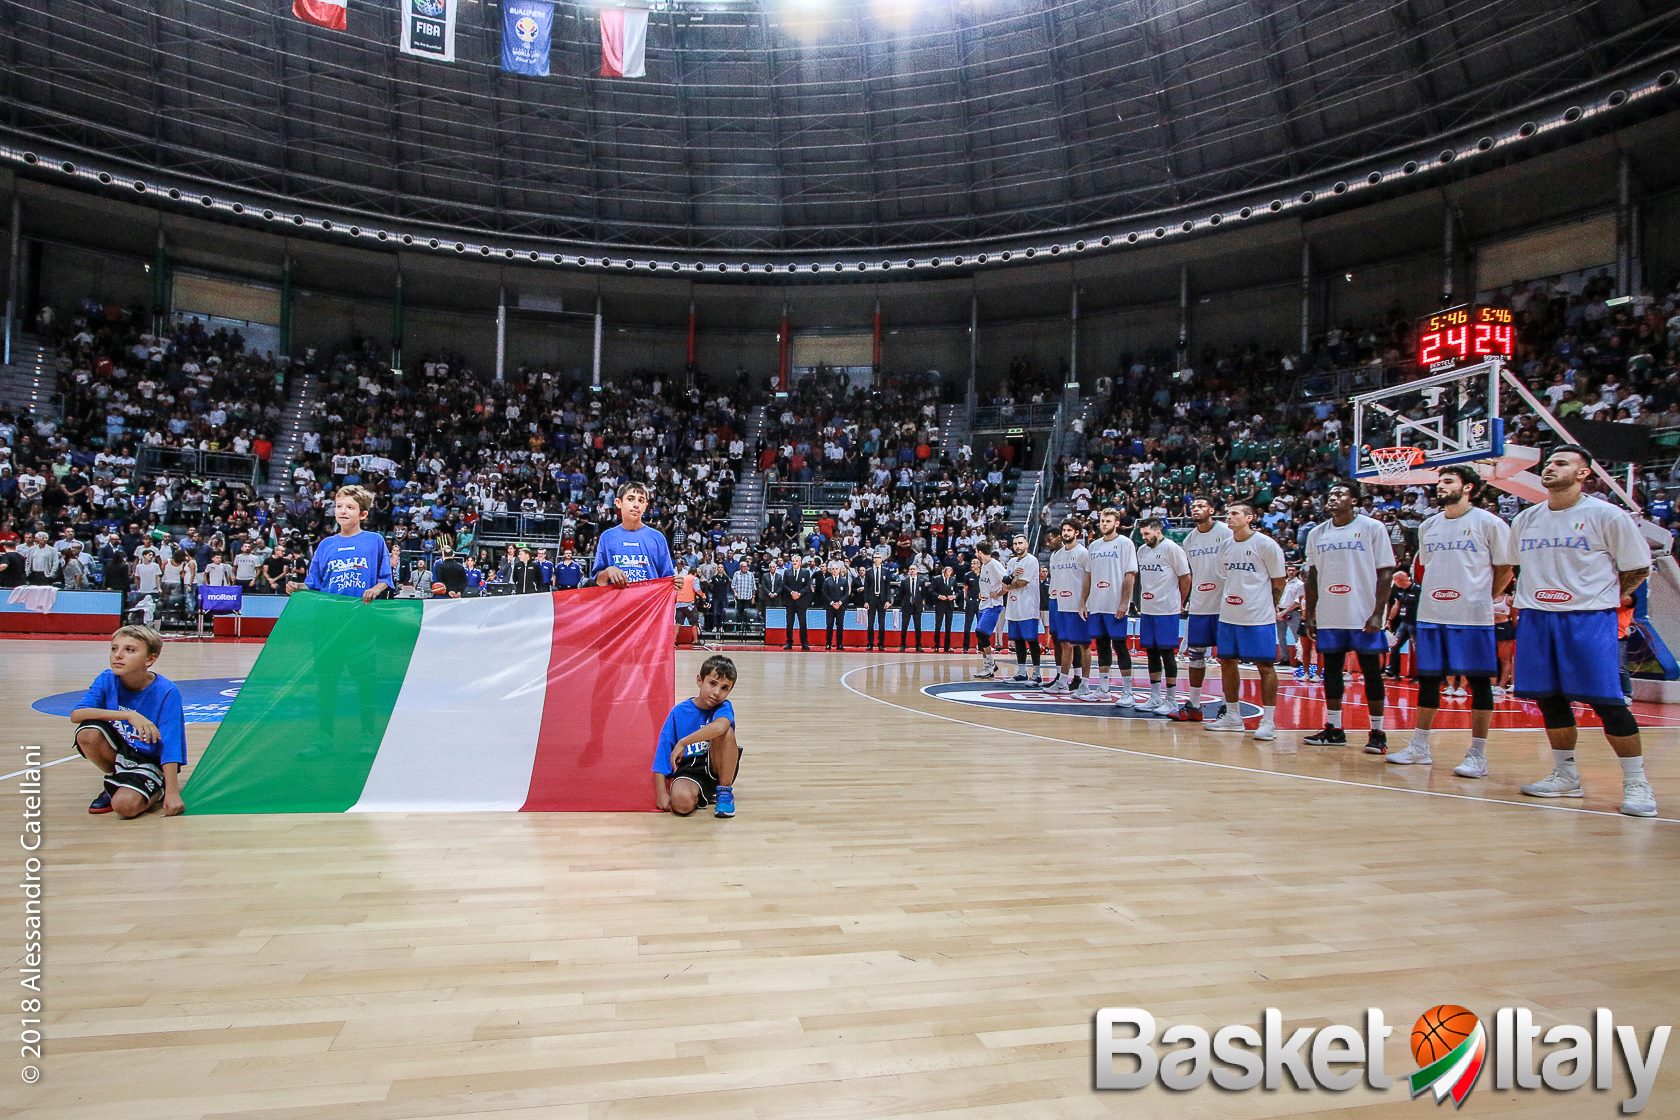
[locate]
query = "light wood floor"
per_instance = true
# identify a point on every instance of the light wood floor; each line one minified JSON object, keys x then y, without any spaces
{"x":917,"y":912}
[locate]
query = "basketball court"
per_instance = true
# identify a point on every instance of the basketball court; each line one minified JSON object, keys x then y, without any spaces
{"x":931,"y":888}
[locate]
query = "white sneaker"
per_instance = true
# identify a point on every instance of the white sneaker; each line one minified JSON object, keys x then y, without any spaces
{"x":1057,"y":685}
{"x":1166,"y":707}
{"x":985,"y":672}
{"x":1266,"y":732}
{"x":1413,"y":755}
{"x":1559,"y":783}
{"x":1127,"y":699}
{"x":1089,"y":693}
{"x":1230,"y":721}
{"x":1498,"y":690}
{"x":1638,"y":798}
{"x":1473,"y":766}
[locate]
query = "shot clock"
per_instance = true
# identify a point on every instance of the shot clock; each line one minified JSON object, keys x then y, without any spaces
{"x":1464,"y":336}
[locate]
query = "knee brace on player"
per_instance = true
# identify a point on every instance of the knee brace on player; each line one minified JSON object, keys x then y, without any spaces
{"x":1618,"y":721}
{"x":1198,"y":656}
{"x":1556,"y":712}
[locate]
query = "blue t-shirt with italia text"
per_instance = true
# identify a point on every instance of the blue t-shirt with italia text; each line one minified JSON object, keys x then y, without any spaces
{"x":641,"y":554}
{"x":685,"y":719}
{"x":349,"y":565}
{"x":159,"y":702}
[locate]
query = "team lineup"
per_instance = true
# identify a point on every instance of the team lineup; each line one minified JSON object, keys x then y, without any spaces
{"x":1574,"y":562}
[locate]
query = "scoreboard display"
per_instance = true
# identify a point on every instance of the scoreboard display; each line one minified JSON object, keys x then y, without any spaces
{"x":1464,"y":336}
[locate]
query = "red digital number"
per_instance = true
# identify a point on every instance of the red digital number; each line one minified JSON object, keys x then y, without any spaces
{"x":1479,"y":344}
{"x":1502,"y":341}
{"x":1429,"y":348}
{"x":1458,"y":341}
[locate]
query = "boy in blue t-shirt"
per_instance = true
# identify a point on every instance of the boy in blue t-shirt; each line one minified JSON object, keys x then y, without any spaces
{"x":130,"y":724}
{"x":353,"y":562}
{"x":697,"y":757}
{"x":631,"y":552}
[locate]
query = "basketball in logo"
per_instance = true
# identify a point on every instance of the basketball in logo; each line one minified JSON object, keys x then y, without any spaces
{"x":1440,"y":1029}
{"x":526,"y":28}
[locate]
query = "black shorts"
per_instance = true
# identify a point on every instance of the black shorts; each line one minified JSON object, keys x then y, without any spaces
{"x":135,"y":771}
{"x":699,"y":771}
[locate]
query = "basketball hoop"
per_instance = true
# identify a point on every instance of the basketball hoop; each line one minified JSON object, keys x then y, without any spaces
{"x":1392,"y":462}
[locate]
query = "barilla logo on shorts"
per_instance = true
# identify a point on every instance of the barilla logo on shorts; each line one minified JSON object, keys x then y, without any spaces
{"x":1552,"y":595}
{"x":1338,"y":589}
{"x":1445,"y":595}
{"x":1234,"y":600}
{"x":1204,"y":587}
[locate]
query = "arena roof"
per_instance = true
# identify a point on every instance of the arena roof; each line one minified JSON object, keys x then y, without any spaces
{"x":821,"y":129}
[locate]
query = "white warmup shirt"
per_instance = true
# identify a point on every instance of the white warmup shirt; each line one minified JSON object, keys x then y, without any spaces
{"x":1345,"y":559}
{"x":1458,"y":555}
{"x":1249,"y":568}
{"x":1205,"y":552}
{"x":1159,"y":569}
{"x":1570,"y":557}
{"x":1111,"y":562}
{"x":1022,"y":603}
{"x":1068,"y":568}
{"x":991,"y":584}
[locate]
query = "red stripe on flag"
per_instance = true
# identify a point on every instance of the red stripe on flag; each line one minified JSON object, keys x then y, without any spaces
{"x":322,"y":13}
{"x":611,"y":682}
{"x":612,"y":42}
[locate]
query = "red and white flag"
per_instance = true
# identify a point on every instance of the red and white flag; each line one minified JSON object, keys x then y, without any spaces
{"x":322,"y":13}
{"x":623,"y":42}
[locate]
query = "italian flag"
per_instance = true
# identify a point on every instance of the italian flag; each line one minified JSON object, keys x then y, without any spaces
{"x":322,"y":13}
{"x":519,"y":703}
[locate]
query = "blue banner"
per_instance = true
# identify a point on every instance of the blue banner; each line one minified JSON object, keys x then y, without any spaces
{"x":213,"y":599}
{"x":527,"y":28}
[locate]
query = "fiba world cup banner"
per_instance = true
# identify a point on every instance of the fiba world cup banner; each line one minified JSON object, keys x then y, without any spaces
{"x":428,"y":29}
{"x":527,"y":32}
{"x":516,"y":703}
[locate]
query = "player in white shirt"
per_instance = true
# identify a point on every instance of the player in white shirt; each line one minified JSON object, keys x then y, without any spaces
{"x":1253,"y":579}
{"x":1581,"y":558}
{"x":991,"y":594}
{"x":1070,"y":586}
{"x":1114,"y":571}
{"x":1163,"y":589}
{"x":1204,"y":546}
{"x":1020,"y":608}
{"x":1289,"y":606}
{"x":1350,"y":564}
{"x":1467,"y":558}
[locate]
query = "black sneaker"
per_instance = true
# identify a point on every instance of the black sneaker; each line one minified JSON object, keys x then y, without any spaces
{"x":1377,"y":743}
{"x":1329,"y":737}
{"x":101,"y":804}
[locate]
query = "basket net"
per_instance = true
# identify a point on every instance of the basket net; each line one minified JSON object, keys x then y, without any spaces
{"x":1392,"y":462}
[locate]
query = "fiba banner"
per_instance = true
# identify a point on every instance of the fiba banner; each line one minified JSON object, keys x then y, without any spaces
{"x":428,"y":28}
{"x":533,"y":703}
{"x":624,"y":42}
{"x":527,"y":32}
{"x":322,"y":13}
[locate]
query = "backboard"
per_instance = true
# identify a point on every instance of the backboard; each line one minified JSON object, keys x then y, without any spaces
{"x":1450,"y":417}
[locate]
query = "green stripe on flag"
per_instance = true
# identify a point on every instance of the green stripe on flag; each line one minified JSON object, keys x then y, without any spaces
{"x":1428,"y":1075}
{"x":302,"y":734}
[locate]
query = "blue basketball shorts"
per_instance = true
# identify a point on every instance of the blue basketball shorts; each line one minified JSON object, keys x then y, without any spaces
{"x":1158,"y":631}
{"x":1248,"y":643}
{"x":1204,"y":631}
{"x":1573,"y":654}
{"x":1442,"y":650}
{"x":1355,"y":641}
{"x":1105,"y":625}
{"x":987,"y":620}
{"x":1067,"y":626}
{"x":1025,"y":630}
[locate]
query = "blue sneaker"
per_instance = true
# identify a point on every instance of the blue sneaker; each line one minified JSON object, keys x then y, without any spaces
{"x":101,"y":804}
{"x":1300,"y":673}
{"x":725,"y":802}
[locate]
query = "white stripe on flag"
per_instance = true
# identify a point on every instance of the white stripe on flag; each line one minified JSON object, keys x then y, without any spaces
{"x":463,"y":737}
{"x":635,"y":42}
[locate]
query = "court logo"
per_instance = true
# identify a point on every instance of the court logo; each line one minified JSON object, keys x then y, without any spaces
{"x":1450,"y":1048}
{"x":1020,"y":696}
{"x":202,"y":701}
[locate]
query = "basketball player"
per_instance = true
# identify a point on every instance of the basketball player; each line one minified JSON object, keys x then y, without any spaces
{"x":990,"y":578}
{"x":1114,"y":571}
{"x":1350,"y":564}
{"x":1466,"y":557}
{"x":1020,"y":610}
{"x":1070,"y":588}
{"x":1204,"y":548}
{"x":1580,"y":559}
{"x":1252,"y":570}
{"x":1163,"y":587}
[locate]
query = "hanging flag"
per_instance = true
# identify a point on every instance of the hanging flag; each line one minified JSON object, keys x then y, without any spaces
{"x":527,"y":30}
{"x":533,"y":703}
{"x":624,"y":42}
{"x":322,"y":13}
{"x":428,"y":28}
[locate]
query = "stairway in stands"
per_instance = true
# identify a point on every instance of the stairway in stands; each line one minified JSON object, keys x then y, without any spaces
{"x":746,"y":513}
{"x":954,"y":427}
{"x":31,"y":381}
{"x":288,"y":441}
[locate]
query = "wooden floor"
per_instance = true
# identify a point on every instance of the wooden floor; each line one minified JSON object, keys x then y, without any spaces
{"x":918,"y":911}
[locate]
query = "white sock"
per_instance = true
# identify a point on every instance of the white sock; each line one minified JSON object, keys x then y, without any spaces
{"x":1478,"y":747}
{"x":1420,"y":739}
{"x":1155,"y":692}
{"x":1268,"y":713}
{"x":1332,"y":719}
{"x":1565,"y":761}
{"x":1377,"y":722}
{"x":1195,"y":696}
{"x":1633,"y":768}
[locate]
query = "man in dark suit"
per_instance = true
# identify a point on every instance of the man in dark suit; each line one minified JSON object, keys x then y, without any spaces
{"x":837,"y":589}
{"x":796,"y":584}
{"x":877,"y":591}
{"x":945,"y":591}
{"x":772,"y":587}
{"x":912,"y":593}
{"x":969,"y":584}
